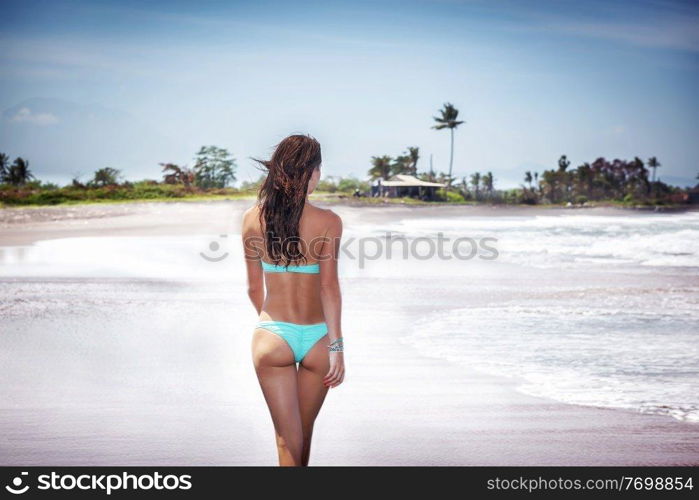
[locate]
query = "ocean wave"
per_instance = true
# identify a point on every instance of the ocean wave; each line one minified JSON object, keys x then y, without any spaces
{"x":657,"y":240}
{"x":593,"y":353}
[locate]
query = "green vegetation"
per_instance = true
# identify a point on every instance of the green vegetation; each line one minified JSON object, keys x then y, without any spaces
{"x":214,"y":168}
{"x":334,"y":184}
{"x":16,"y":174}
{"x":35,"y":193}
{"x":617,"y":182}
{"x":213,"y":171}
{"x":621,"y":181}
{"x":106,"y":177}
{"x":385,"y":167}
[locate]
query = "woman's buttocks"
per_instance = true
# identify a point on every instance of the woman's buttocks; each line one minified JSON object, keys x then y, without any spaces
{"x":293,"y":297}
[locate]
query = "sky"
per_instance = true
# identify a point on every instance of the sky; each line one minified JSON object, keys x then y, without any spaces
{"x":130,"y":84}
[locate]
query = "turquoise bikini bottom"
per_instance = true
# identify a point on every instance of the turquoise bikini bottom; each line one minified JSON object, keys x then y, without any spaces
{"x":301,"y":338}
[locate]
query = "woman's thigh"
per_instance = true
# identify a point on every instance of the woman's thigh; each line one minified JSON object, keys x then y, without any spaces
{"x":312,"y":391}
{"x":276,"y":372}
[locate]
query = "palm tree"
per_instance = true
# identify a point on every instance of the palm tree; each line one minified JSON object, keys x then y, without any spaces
{"x":464,"y":185}
{"x":654,"y":164}
{"x":563,"y":163}
{"x":430,"y":175}
{"x":448,"y":120}
{"x":4,"y":167}
{"x":476,"y":182}
{"x":414,"y":156}
{"x":381,"y":167}
{"x":528,"y":178}
{"x":407,"y":162}
{"x":488,"y":183}
{"x":19,"y":172}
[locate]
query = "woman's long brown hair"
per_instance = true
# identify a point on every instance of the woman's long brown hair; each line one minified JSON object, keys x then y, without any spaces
{"x":282,"y":196}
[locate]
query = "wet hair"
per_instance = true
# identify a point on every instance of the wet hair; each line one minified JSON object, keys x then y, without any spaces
{"x":282,"y":196}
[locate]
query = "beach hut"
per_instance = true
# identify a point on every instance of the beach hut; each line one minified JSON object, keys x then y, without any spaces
{"x":407,"y":185}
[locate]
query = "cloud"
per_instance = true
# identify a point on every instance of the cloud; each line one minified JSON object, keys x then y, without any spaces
{"x":680,"y":34}
{"x":651,"y":24}
{"x":618,"y":129}
{"x":25,"y":115}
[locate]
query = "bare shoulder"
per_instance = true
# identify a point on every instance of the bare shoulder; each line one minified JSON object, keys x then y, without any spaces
{"x":332,"y":221}
{"x":326,"y":216}
{"x":251,"y":217}
{"x":333,"y":218}
{"x":251,"y":212}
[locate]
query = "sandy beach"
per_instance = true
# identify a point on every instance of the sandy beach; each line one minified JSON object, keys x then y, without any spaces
{"x":109,"y":356}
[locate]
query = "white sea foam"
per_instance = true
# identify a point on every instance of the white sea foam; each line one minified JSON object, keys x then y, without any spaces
{"x":159,"y":257}
{"x":573,"y":240}
{"x":634,"y":349}
{"x":608,"y":351}
{"x":624,"y":347}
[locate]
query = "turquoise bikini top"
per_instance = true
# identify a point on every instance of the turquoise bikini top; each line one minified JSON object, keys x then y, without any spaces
{"x":307,"y":269}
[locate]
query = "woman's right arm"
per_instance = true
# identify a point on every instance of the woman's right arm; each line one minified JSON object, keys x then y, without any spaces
{"x":251,"y":242}
{"x":331,"y":298}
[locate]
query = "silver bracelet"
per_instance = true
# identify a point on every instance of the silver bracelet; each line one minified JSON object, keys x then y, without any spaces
{"x":336,"y":346}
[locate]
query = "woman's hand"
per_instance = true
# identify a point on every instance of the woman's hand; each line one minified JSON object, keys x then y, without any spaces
{"x":336,"y":373}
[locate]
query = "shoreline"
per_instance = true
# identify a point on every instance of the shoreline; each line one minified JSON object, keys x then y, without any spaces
{"x":348,"y":200}
{"x":399,"y":405}
{"x":462,"y":208}
{"x":26,"y":225}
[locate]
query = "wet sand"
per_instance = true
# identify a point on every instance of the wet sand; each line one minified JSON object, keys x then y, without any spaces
{"x":142,"y":371}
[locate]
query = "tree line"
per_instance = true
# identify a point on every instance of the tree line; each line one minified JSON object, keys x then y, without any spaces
{"x":602,"y":179}
{"x":16,"y":173}
{"x":214,"y":167}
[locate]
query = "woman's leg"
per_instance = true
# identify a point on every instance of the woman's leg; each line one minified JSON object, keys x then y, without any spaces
{"x":312,"y":391}
{"x":276,"y":372}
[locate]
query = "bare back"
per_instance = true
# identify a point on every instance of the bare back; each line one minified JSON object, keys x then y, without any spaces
{"x":293,"y":297}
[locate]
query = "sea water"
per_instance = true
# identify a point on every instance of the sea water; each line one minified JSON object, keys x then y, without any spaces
{"x":606,"y":311}
{"x":585,"y":309}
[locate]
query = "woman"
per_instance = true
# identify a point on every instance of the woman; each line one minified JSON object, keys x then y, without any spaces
{"x":291,"y":249}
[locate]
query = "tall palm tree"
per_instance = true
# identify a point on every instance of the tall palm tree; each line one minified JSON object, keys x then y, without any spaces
{"x":381,"y":167}
{"x":448,"y":117}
